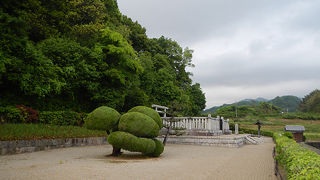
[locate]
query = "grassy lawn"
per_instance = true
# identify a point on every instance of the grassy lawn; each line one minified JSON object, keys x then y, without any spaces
{"x":43,"y":131}
{"x":274,"y":124}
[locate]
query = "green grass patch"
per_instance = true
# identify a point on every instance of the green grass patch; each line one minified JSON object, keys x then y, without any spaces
{"x":44,"y":131}
{"x":277,"y":124}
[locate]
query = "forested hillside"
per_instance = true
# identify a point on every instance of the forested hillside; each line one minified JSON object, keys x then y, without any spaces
{"x":80,"y":54}
{"x":311,"y":102}
{"x":287,"y":103}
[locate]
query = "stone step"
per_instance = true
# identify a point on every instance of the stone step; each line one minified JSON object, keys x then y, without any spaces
{"x":224,"y":140}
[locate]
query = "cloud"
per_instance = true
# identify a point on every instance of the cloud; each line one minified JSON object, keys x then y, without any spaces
{"x":224,"y":94}
{"x":242,"y":49}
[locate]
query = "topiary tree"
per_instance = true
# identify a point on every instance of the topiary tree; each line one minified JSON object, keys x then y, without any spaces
{"x":149,"y":112}
{"x":103,"y":118}
{"x":134,"y":131}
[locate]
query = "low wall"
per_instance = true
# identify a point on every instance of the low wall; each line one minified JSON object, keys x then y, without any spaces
{"x":236,"y":141}
{"x":315,"y":144}
{"x":22,"y":146}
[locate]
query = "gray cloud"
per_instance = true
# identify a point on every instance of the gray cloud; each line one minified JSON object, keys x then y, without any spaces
{"x":243,"y":49}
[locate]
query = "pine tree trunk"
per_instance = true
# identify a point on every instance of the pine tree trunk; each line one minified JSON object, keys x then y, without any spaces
{"x":116,"y":151}
{"x":165,"y":138}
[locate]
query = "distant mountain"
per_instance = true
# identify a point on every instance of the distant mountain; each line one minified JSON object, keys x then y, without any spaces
{"x":290,"y":103}
{"x":247,"y":102}
{"x":287,"y":103}
{"x":251,"y":102}
{"x":214,"y":109}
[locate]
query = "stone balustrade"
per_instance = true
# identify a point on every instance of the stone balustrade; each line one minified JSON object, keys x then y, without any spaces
{"x":208,"y":124}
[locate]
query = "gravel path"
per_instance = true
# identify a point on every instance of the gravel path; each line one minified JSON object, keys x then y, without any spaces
{"x":177,"y":162}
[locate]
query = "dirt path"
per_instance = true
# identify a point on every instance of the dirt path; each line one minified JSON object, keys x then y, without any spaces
{"x":177,"y":162}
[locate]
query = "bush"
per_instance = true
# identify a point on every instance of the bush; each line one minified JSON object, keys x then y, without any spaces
{"x":10,"y":115}
{"x":149,"y":112}
{"x":61,"y":118}
{"x":288,"y":134}
{"x":30,"y":115}
{"x":132,"y":143}
{"x":83,"y":116}
{"x":102,"y":118}
{"x":299,"y":162}
{"x":300,"y":115}
{"x":139,"y":125}
{"x":158,"y":149}
{"x":253,"y":131}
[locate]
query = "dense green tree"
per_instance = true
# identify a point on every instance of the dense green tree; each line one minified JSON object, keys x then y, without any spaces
{"x":311,"y":102}
{"x":81,"y":54}
{"x":198,"y":98}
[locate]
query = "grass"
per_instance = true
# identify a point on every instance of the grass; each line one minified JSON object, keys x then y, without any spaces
{"x":276,"y":124}
{"x":44,"y":131}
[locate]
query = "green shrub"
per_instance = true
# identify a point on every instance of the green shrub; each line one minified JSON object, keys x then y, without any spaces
{"x":159,"y":148}
{"x":299,"y":162}
{"x":139,"y":125}
{"x":61,"y":118}
{"x":253,"y":131}
{"x":132,"y":143}
{"x":232,"y":125}
{"x":149,"y":112}
{"x":102,"y":118}
{"x":301,"y":115}
{"x":10,"y":115}
{"x":288,"y":134}
{"x":30,"y":115}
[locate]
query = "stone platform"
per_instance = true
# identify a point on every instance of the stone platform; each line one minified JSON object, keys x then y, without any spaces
{"x":223,"y":140}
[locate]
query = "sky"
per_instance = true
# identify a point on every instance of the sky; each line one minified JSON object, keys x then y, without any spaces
{"x":242,"y":48}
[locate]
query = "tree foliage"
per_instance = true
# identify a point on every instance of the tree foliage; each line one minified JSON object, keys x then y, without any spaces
{"x":263,"y":108}
{"x":311,"y":102}
{"x":78,"y":55}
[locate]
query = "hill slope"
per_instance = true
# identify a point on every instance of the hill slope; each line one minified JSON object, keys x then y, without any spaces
{"x":247,"y":102}
{"x":290,"y":103}
{"x":311,"y":102}
{"x":287,"y":103}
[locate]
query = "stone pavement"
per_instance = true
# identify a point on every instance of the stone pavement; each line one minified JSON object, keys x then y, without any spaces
{"x":177,"y":162}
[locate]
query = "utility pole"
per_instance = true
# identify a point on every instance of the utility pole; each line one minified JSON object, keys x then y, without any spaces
{"x":236,"y":112}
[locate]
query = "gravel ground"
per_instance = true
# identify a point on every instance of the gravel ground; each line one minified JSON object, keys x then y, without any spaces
{"x":177,"y":162}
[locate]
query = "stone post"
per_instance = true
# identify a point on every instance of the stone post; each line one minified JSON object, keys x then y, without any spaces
{"x":228,"y":127}
{"x":236,"y":129}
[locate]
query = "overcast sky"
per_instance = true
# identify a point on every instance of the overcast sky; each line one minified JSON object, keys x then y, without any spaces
{"x":242,"y":48}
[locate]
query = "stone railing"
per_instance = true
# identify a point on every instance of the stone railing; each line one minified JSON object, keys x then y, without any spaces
{"x":214,"y":126}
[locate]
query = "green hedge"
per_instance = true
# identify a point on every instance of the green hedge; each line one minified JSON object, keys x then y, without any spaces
{"x":139,"y":125}
{"x":300,"y":115}
{"x":10,"y":115}
{"x":149,"y":112}
{"x":61,"y":118}
{"x":131,"y":143}
{"x":252,"y":131}
{"x":102,"y":118}
{"x":299,"y":162}
{"x":159,"y":148}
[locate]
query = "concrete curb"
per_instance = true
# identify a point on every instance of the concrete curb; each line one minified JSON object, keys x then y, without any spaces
{"x":22,"y":146}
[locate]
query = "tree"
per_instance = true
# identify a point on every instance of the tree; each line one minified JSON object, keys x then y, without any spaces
{"x":78,"y":55}
{"x":311,"y":102}
{"x":133,"y":131}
